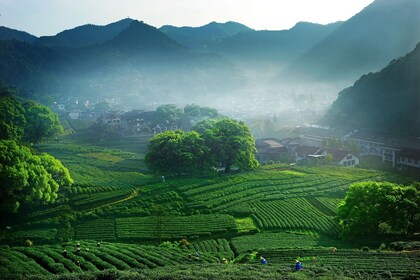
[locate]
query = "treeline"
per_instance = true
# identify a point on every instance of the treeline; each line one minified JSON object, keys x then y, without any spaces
{"x":380,"y":210}
{"x":27,"y":177}
{"x":211,"y":145}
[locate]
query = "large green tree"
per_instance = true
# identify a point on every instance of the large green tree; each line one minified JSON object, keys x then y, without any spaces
{"x":26,"y":178}
{"x":231,"y":144}
{"x":372,"y":209}
{"x":168,"y":112}
{"x":41,"y":122}
{"x":12,"y":118}
{"x":176,"y":152}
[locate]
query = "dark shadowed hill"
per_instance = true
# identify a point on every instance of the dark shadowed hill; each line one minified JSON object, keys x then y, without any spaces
{"x":386,"y":100}
{"x":140,"y":63}
{"x":204,"y":36}
{"x":84,"y":35}
{"x":366,"y":42}
{"x":139,"y":36}
{"x":270,"y":46}
{"x":12,"y":34}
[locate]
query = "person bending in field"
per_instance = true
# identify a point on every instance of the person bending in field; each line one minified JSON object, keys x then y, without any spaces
{"x":298,"y":265}
{"x":262,"y":260}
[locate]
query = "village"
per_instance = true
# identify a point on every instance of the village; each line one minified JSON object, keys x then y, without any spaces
{"x":309,"y":145}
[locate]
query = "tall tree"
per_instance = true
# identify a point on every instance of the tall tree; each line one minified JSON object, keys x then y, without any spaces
{"x":12,"y":118}
{"x":27,"y":178}
{"x":41,"y":122}
{"x":175,"y":152}
{"x":168,"y":112}
{"x":231,"y":144}
{"x":373,"y":209}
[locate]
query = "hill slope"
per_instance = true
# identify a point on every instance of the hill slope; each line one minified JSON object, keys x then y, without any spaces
{"x":204,"y":36}
{"x":140,"y":59}
{"x":274,"y":46}
{"x":84,"y":35}
{"x":384,"y":30}
{"x":388,"y":99}
{"x":12,"y":34}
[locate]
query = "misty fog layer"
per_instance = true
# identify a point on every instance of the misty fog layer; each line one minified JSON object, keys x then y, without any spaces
{"x":293,"y":75}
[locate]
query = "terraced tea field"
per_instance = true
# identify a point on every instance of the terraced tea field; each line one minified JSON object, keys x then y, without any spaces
{"x":280,"y":212}
{"x":54,"y":260}
{"x":399,"y":264}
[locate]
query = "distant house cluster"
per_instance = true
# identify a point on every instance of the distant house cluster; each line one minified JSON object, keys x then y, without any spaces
{"x":398,"y":151}
{"x":135,"y":122}
{"x":310,"y":146}
{"x":292,"y":150}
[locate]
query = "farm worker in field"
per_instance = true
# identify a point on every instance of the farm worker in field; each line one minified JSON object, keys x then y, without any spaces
{"x":197,"y":256}
{"x":224,"y":261}
{"x":298,"y":265}
{"x":333,"y":250}
{"x":98,"y":244}
{"x":262,"y":260}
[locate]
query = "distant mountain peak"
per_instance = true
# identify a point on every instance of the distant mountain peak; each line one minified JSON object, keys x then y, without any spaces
{"x":139,"y":35}
{"x":203,"y":36}
{"x":85,"y":35}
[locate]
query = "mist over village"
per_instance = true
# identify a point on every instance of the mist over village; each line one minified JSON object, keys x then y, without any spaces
{"x":185,"y":141}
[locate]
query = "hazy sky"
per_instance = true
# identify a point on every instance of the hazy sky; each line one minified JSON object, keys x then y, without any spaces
{"x":48,"y":17}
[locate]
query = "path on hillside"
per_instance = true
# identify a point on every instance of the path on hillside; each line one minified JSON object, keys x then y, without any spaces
{"x":131,"y":196}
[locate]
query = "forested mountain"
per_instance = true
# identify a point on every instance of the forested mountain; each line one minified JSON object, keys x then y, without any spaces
{"x":84,"y":35}
{"x":26,"y":66}
{"x":274,"y":46}
{"x":140,"y":60}
{"x":139,"y":36}
{"x":387,"y":100}
{"x":12,"y":34}
{"x":204,"y":36}
{"x":384,"y":30}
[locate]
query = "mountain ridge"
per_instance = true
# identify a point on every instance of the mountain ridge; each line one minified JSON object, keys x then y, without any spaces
{"x":7,"y":33}
{"x":366,"y":42}
{"x":388,"y":99}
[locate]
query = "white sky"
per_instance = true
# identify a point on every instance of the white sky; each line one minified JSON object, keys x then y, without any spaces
{"x":48,"y":17}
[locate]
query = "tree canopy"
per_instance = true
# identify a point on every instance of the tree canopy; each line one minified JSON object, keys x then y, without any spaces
{"x":41,"y":122}
{"x":372,"y":209}
{"x":12,"y":119}
{"x":224,"y":143}
{"x":168,"y":112}
{"x":27,"y":178}
{"x":30,"y":120}
{"x":231,"y":143}
{"x":175,"y":152}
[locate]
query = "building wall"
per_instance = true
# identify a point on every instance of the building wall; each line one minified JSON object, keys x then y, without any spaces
{"x":349,"y":160}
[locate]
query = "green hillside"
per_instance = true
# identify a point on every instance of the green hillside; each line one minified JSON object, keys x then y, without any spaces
{"x":281,"y":212}
{"x":387,"y":100}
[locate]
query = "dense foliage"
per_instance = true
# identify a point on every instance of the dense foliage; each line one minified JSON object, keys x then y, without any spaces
{"x":374,"y":209}
{"x":29,"y":121}
{"x":388,"y":99}
{"x":28,"y":178}
{"x":231,"y":144}
{"x":12,"y":118}
{"x":41,"y":122}
{"x":176,"y":152}
{"x":224,"y":143}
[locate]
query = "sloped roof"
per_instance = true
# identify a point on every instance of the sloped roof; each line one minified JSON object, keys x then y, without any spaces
{"x":321,"y":132}
{"x":337,"y":154}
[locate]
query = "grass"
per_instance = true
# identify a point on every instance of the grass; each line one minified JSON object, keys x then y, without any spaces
{"x":245,"y":225}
